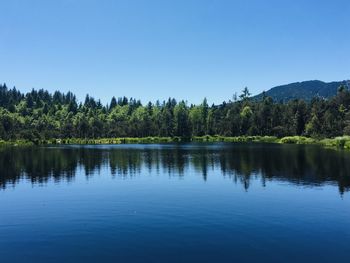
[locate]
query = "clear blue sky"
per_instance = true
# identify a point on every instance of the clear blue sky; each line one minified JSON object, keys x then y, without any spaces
{"x":187,"y":49}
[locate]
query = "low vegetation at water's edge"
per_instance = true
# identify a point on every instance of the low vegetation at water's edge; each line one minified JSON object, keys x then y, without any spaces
{"x":342,"y":142}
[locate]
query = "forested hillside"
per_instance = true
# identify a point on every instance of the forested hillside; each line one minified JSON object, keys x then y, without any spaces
{"x":305,"y":90}
{"x":41,"y":115}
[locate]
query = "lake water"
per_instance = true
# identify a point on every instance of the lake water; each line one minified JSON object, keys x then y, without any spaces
{"x":174,"y":203}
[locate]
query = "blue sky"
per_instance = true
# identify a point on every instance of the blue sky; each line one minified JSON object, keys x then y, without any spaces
{"x":187,"y":49}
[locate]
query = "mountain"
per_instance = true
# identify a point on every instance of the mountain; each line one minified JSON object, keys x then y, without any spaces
{"x":305,"y":90}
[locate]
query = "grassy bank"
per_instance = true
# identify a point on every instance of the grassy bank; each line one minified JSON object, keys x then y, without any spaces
{"x":338,"y":142}
{"x":16,"y":143}
{"x":342,"y":142}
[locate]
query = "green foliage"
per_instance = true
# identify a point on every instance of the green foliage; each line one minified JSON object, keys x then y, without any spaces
{"x":297,"y":140}
{"x":246,"y":112}
{"x":342,"y":142}
{"x":41,"y":117}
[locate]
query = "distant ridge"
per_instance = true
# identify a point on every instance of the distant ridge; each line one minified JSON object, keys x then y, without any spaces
{"x":305,"y":90}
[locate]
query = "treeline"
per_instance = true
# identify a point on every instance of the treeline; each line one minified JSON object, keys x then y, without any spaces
{"x":41,"y":115}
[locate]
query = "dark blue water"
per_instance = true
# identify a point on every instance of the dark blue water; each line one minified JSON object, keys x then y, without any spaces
{"x":174,"y":203}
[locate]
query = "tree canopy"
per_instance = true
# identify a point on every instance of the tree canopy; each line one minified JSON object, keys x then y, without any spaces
{"x":42,"y":115}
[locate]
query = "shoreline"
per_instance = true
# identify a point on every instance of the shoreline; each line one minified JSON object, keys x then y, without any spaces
{"x":341,"y":142}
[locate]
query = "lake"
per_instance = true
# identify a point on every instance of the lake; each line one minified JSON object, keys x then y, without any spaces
{"x":174,"y":203}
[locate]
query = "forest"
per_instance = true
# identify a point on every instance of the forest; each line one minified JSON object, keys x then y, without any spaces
{"x":40,"y":115}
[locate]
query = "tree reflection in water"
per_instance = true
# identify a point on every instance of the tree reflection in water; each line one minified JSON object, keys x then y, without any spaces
{"x":303,"y":165}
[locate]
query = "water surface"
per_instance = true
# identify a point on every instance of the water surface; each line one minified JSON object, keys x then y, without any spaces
{"x":174,"y":203}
